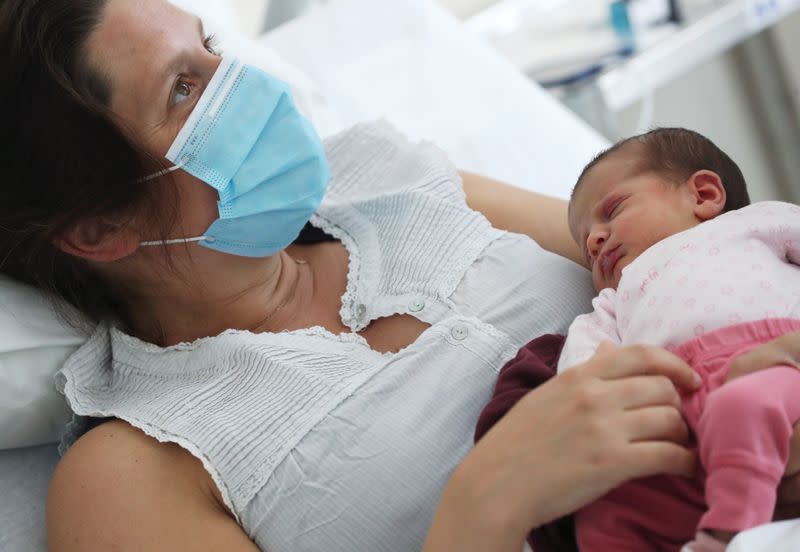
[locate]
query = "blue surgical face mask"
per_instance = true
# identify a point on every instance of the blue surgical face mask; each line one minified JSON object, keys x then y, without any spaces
{"x":246,"y":139}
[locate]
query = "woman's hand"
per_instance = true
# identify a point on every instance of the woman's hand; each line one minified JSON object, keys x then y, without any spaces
{"x":614,"y":418}
{"x":784,"y":351}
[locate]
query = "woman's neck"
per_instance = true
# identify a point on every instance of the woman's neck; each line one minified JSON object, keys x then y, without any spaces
{"x":261,"y":296}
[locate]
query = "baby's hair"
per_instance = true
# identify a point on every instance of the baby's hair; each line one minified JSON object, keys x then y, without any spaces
{"x":678,"y":153}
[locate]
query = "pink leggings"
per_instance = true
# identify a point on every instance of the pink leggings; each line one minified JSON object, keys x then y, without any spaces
{"x":742,"y":432}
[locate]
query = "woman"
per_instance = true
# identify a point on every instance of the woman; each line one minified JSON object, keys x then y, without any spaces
{"x":291,"y":396}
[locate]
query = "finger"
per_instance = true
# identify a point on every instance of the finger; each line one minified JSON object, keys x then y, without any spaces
{"x":742,"y":366}
{"x":640,"y":360}
{"x":605,"y":348}
{"x":641,"y":391}
{"x":754,"y":361}
{"x":654,"y":457}
{"x":761,"y":358}
{"x":658,"y":423}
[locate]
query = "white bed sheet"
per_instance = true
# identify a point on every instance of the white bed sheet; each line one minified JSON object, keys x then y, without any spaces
{"x":24,"y":475}
{"x":414,"y":65}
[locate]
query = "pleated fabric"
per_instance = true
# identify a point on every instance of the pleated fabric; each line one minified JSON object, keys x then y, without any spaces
{"x":316,"y":441}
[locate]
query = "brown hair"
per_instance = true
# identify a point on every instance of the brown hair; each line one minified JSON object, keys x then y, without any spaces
{"x":678,"y":153}
{"x":65,"y":159}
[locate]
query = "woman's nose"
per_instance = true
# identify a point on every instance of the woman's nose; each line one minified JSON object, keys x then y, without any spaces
{"x":210,"y":65}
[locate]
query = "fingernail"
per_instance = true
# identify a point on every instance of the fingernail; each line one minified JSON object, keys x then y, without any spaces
{"x":696,"y":379}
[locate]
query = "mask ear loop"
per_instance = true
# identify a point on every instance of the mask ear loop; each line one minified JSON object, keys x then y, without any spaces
{"x":178,"y":241}
{"x":159,"y":174}
{"x":165,"y":172}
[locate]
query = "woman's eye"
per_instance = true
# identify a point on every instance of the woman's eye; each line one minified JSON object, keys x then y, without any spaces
{"x":182,"y":91}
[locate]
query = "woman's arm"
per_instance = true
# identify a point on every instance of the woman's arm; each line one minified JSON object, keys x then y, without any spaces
{"x":117,"y":489}
{"x":509,"y":208}
{"x":782,"y":351}
{"x":614,"y":418}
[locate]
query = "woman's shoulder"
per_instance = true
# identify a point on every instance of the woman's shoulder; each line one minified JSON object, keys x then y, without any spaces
{"x":115,"y":481}
{"x":113,"y":458}
{"x":116,"y":443}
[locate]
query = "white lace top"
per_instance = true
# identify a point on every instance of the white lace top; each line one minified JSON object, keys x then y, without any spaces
{"x":316,"y":441}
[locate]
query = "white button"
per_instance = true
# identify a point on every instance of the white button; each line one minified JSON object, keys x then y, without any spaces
{"x":459,"y":332}
{"x":209,"y":239}
{"x":361,"y":310}
{"x":417,"y":305}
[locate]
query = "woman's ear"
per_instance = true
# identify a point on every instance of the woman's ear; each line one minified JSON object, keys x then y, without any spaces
{"x":707,"y":193}
{"x":99,"y":239}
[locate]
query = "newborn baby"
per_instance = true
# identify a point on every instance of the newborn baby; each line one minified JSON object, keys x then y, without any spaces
{"x":681,"y":261}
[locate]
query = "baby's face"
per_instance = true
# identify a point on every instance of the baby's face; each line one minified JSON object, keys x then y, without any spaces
{"x":618,"y":212}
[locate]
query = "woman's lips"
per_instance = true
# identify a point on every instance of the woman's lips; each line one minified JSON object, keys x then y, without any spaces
{"x":608,"y":261}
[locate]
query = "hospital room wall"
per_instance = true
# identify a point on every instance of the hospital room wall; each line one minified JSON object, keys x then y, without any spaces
{"x":787,"y":34}
{"x":712,"y":100}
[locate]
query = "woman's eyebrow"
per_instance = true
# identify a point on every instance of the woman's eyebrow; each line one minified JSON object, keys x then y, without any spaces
{"x":200,"y":27}
{"x":177,"y":60}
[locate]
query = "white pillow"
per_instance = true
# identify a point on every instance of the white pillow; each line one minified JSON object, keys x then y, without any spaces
{"x":34,"y":340}
{"x":34,"y":343}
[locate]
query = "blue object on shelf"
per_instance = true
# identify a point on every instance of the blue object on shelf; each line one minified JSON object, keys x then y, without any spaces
{"x":620,"y":21}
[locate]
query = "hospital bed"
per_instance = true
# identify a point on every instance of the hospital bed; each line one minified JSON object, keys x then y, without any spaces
{"x":413,"y":64}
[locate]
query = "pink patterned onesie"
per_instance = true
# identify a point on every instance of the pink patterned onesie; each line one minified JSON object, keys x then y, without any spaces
{"x":708,"y":294}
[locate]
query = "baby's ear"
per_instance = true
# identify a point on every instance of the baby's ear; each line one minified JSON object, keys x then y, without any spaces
{"x":707,"y":193}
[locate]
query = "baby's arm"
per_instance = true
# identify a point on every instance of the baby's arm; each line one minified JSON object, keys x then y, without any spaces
{"x":588,"y":331}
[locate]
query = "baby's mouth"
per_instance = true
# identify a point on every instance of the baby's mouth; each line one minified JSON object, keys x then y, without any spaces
{"x":608,"y":261}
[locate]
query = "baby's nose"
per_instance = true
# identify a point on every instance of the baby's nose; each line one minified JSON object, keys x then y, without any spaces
{"x":595,"y":242}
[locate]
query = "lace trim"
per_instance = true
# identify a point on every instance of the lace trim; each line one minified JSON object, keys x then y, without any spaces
{"x":442,"y":180}
{"x":315,"y":331}
{"x":74,"y":430}
{"x":349,"y":297}
{"x":506,"y":349}
{"x":350,"y":338}
{"x":77,"y":426}
{"x":134,"y":342}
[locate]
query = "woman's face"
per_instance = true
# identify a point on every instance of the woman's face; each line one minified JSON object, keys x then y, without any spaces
{"x":157,"y":61}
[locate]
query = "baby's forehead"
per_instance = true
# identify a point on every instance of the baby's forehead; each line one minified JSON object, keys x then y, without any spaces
{"x":601,"y":178}
{"x":579,"y":206}
{"x":610,"y":169}
{"x":601,"y":175}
